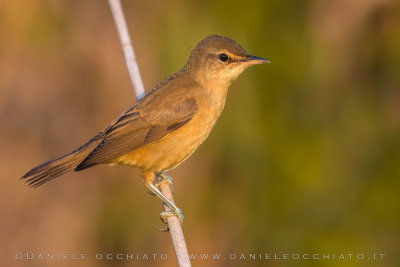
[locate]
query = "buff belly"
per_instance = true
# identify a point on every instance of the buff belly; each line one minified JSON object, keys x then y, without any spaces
{"x":170,"y":151}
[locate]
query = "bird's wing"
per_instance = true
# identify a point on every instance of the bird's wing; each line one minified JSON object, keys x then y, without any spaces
{"x":138,"y":127}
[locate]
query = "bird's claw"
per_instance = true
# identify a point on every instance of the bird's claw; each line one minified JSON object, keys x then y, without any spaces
{"x":162,"y":178}
{"x":165,"y":214}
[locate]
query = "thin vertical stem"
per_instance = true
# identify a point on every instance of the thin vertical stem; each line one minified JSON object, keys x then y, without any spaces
{"x":174,"y":225}
{"x":127,"y":47}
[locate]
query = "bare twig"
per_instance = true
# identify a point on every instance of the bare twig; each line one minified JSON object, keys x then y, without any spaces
{"x":175,"y":229}
{"x":127,"y":47}
{"x":174,"y":225}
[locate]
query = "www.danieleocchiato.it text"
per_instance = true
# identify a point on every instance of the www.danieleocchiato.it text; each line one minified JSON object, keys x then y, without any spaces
{"x":32,"y":256}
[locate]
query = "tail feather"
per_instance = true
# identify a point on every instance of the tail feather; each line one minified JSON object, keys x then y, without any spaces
{"x":57,"y":167}
{"x":50,"y":170}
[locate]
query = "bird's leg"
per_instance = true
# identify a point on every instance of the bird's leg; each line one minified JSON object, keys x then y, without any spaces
{"x":153,"y":182}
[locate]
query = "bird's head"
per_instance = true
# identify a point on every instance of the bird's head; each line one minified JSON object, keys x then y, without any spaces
{"x":218,"y":59}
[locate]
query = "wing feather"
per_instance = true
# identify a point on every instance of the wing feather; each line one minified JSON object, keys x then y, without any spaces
{"x":137,"y":128}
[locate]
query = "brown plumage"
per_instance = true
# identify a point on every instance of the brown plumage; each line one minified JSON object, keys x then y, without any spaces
{"x":167,"y":125}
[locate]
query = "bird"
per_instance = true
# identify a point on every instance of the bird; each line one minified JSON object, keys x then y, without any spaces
{"x":167,"y":125}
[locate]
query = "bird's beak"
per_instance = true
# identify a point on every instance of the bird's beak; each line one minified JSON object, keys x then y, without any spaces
{"x":253,"y":60}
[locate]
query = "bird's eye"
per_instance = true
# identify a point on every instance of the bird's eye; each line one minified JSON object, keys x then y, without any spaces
{"x":223,"y":57}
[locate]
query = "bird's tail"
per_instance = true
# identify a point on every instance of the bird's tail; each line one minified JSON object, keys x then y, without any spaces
{"x":56,"y":167}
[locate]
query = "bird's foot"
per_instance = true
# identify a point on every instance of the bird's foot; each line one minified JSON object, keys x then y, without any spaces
{"x":164,"y":178}
{"x":153,"y":184}
{"x":165,"y":214}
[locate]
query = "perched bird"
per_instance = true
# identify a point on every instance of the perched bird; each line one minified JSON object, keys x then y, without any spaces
{"x":167,"y":125}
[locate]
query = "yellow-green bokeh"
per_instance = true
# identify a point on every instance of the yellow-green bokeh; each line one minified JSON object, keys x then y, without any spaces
{"x":305,"y":158}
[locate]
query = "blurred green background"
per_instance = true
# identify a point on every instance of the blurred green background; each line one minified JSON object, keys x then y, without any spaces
{"x":305,"y":159}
